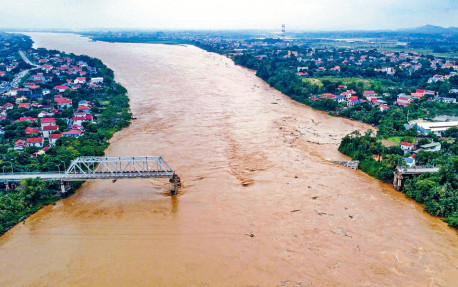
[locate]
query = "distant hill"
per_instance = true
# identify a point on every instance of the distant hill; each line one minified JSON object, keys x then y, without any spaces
{"x":431,"y":29}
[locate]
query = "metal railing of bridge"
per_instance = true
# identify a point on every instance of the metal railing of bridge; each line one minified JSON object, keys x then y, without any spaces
{"x":84,"y":168}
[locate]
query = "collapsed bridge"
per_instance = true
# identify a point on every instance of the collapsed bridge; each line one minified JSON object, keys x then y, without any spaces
{"x":89,"y":167}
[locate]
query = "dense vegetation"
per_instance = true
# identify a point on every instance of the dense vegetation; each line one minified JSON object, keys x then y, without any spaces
{"x":438,"y":192}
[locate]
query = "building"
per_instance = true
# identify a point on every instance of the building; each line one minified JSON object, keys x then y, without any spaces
{"x":431,"y":147}
{"x":30,"y":130}
{"x":383,"y":108}
{"x":437,"y":128}
{"x":47,"y":130}
{"x":35,"y":142}
{"x":98,"y":80}
{"x":53,"y":138}
{"x":47,"y":122}
{"x":407,"y":147}
{"x":73,"y":133}
{"x":410,"y":161}
{"x":446,"y":100}
{"x":64,"y":103}
{"x":80,"y":80}
{"x":19,"y":145}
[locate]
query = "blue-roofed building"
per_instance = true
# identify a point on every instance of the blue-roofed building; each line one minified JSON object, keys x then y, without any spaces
{"x":340,"y":99}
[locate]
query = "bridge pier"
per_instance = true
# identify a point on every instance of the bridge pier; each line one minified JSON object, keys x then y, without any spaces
{"x":176,"y":183}
{"x":398,"y":181}
{"x":64,"y":187}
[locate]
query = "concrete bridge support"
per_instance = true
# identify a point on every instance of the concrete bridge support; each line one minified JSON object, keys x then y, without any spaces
{"x":398,"y":181}
{"x":176,"y":183}
{"x":64,"y":187}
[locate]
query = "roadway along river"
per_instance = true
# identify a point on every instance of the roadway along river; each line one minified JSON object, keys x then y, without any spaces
{"x":314,"y":223}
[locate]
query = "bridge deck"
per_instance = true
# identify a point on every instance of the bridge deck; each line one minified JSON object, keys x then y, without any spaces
{"x":80,"y":177}
{"x":417,"y":170}
{"x":85,"y":168}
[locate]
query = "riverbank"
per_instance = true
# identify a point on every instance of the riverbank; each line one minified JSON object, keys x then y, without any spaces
{"x":94,"y":113}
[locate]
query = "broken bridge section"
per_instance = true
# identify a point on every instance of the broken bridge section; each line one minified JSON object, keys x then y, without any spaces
{"x":88,"y":167}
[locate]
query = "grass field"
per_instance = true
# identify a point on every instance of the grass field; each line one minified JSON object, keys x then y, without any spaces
{"x":345,"y":81}
{"x":395,"y":141}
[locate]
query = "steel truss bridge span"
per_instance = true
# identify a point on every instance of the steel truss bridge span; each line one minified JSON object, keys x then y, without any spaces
{"x":88,"y":167}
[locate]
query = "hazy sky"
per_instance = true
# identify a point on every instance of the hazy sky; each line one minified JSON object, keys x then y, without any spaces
{"x":227,"y":14}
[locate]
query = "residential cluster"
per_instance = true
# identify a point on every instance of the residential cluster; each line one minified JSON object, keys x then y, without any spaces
{"x":38,"y":110}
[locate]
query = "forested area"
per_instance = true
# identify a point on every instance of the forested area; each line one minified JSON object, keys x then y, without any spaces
{"x":437,"y":192}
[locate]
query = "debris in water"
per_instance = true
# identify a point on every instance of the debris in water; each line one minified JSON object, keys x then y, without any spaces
{"x":247,"y":182}
{"x":295,"y":210}
{"x":250,"y":235}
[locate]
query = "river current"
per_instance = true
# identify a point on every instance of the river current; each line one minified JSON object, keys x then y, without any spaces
{"x":261,"y":205}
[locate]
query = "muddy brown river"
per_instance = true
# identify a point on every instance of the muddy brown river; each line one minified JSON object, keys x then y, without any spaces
{"x":301,"y":220}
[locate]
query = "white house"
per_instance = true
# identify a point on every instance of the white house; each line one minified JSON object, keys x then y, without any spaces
{"x":35,"y":142}
{"x":47,"y":130}
{"x":80,"y":80}
{"x":19,"y":145}
{"x":97,"y":80}
{"x":47,"y":122}
{"x":53,"y":138}
{"x":407,"y":147}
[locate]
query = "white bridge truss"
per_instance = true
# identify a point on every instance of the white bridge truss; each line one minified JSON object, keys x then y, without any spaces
{"x":85,"y":168}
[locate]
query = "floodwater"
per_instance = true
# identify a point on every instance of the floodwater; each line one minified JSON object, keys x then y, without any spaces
{"x":261,"y":204}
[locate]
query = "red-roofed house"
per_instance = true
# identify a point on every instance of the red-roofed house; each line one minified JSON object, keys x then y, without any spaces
{"x":53,"y":138}
{"x":47,"y":67}
{"x":368,"y":93}
{"x":47,"y":122}
{"x":383,"y":108}
{"x":7,"y":106}
{"x":30,"y":130}
{"x":328,"y":96}
{"x":27,"y":119}
{"x":63,"y":103}
{"x":61,"y":88}
{"x":47,"y":130}
{"x":24,"y":105}
{"x":44,"y":114}
{"x":80,"y":80}
{"x":417,"y":95}
{"x":79,"y":120}
{"x":35,"y":142}
{"x":407,"y":147}
{"x":19,"y":145}
{"x":84,"y":109}
{"x":73,"y":133}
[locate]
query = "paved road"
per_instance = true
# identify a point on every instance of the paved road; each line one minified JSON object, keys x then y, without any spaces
{"x":17,"y":79}
{"x":26,"y":59}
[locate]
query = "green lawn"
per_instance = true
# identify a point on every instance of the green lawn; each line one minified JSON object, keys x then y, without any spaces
{"x":345,"y":81}
{"x":397,"y":140}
